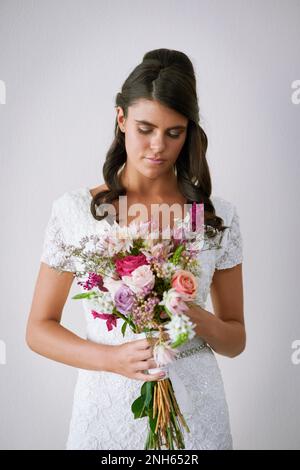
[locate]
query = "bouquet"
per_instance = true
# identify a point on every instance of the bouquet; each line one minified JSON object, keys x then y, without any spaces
{"x":146,"y":279}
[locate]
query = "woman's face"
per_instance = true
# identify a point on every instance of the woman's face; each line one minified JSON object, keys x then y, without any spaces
{"x":152,"y":131}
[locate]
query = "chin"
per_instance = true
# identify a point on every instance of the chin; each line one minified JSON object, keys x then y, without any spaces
{"x":154,"y":173}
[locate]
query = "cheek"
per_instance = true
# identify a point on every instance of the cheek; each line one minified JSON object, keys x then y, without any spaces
{"x":136,"y":144}
{"x":175,"y":147}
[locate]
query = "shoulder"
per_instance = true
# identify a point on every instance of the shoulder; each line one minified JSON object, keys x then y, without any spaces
{"x":224,"y":208}
{"x":231,"y":250}
{"x":70,"y":201}
{"x":71,"y":211}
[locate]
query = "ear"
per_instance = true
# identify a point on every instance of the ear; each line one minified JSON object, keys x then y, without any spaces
{"x":120,"y":118}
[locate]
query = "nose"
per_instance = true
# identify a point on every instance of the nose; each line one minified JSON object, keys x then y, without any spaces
{"x":157,"y":145}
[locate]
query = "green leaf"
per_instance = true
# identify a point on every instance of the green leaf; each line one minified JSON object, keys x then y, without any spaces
{"x":138,"y":408}
{"x":168,"y":311}
{"x":124,"y":326}
{"x":176,"y":255}
{"x":153,"y":422}
{"x":143,"y":389}
{"x":86,"y":295}
{"x":149,"y":393}
{"x":147,"y":387}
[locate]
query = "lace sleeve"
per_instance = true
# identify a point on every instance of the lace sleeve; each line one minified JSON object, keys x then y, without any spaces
{"x":232,"y":254}
{"x":53,"y":252}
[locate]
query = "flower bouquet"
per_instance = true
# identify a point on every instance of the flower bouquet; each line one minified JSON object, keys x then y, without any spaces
{"x":145,"y":280}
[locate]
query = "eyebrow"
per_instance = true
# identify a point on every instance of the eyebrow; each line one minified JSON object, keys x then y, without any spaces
{"x":153,"y":125}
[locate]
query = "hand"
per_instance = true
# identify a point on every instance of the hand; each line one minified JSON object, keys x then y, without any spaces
{"x":195,"y":314}
{"x":191,"y":304}
{"x":193,"y":310}
{"x":132,"y":359}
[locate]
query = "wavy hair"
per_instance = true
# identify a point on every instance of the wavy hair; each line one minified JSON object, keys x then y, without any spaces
{"x":167,"y":76}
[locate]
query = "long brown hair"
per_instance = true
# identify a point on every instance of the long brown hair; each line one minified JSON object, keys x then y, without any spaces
{"x":167,"y":76}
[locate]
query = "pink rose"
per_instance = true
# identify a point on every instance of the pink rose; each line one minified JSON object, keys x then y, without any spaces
{"x":174,"y":302}
{"x":141,"y":281}
{"x":185,"y":283}
{"x":125,"y":266}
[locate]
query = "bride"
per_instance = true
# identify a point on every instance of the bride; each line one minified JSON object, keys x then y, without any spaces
{"x":158,"y":156}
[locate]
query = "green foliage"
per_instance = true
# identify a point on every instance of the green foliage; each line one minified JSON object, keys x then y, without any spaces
{"x":124,"y":326}
{"x":85,"y":295}
{"x":175,"y":258}
{"x":161,"y":285}
{"x":181,"y":339}
{"x":142,"y":406}
{"x":138,"y":244}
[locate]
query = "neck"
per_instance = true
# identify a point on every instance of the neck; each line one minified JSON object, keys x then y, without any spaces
{"x":140,"y":185}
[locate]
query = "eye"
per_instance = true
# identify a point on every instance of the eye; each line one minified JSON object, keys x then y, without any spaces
{"x":147,"y":131}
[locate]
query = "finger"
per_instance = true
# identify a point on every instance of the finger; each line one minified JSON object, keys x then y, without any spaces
{"x":151,"y":364}
{"x":142,"y":343}
{"x":143,"y":365}
{"x":144,"y":355}
{"x":149,"y":377}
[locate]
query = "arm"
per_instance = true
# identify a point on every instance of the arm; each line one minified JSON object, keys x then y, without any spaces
{"x":224,"y":331}
{"x":47,"y":337}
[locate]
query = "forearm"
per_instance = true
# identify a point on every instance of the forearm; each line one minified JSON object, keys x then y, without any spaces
{"x":227,"y":338}
{"x":50,"y":339}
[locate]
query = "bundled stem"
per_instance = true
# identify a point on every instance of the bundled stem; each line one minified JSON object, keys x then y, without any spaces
{"x":168,"y":431}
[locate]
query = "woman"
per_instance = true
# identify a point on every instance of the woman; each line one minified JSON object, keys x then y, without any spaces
{"x":158,"y":156}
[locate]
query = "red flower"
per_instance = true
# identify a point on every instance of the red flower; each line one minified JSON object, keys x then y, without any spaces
{"x":111,"y":320}
{"x":94,"y":280}
{"x":125,"y":266}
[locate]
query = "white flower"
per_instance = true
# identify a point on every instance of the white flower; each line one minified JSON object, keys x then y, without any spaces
{"x":138,"y":229}
{"x":112,"y":285}
{"x":180,"y":325}
{"x":115,"y":240}
{"x":168,"y":268}
{"x":103,"y":303}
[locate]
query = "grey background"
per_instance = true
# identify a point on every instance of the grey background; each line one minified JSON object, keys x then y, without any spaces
{"x":62,"y":63}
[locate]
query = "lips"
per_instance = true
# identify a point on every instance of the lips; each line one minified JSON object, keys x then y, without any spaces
{"x":155,"y":159}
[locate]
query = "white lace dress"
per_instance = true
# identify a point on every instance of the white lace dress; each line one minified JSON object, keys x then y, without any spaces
{"x":102,"y":416}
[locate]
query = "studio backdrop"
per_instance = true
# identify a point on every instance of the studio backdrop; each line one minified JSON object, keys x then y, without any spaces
{"x":61,"y":66}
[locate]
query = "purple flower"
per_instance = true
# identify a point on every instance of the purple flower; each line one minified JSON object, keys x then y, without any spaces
{"x":147,"y":289}
{"x":124,"y":299}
